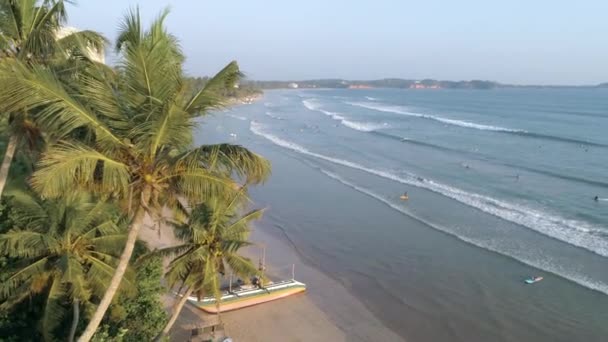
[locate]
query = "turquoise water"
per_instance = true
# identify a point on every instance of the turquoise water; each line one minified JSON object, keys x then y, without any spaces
{"x":501,"y":186}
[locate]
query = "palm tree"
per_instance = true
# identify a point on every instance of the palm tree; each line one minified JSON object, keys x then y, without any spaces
{"x":63,"y":249}
{"x":137,"y":122}
{"x":212,"y":238}
{"x":30,"y":31}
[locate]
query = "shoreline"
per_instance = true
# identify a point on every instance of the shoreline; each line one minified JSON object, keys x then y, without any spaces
{"x":326,"y":311}
{"x":329,"y":295}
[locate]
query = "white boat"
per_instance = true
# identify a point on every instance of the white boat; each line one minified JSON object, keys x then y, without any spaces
{"x":248,"y":295}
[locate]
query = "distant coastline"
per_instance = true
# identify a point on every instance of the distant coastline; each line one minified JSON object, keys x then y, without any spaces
{"x":399,"y":83}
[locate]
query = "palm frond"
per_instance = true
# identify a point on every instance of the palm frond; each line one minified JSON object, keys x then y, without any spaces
{"x":241,"y":225}
{"x":37,"y":88}
{"x":211,"y":95}
{"x":229,"y":159}
{"x":241,"y":266}
{"x":82,"y":42}
{"x":53,"y":310}
{"x":26,"y":273}
{"x":130,"y":30}
{"x":24,"y":244}
{"x":67,"y":165}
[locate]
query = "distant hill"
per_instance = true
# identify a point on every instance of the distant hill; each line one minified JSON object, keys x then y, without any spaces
{"x":383,"y":83}
{"x":400,"y":83}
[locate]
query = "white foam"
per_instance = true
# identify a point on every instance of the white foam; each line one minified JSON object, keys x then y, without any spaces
{"x":362,"y":126}
{"x":546,"y":264}
{"x":576,"y":233}
{"x":371,"y":98}
{"x":333,"y":115}
{"x":311,"y":104}
{"x":356,"y":125}
{"x":403,"y":111}
{"x":270,"y":115}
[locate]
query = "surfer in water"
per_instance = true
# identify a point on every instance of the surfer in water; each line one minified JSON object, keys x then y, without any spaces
{"x":596,"y":198}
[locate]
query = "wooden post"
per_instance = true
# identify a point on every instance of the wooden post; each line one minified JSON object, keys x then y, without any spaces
{"x":263,"y":265}
{"x":293,"y":271}
{"x":230,"y":284}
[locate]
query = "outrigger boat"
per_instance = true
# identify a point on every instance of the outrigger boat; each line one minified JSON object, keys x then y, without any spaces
{"x":247,"y":295}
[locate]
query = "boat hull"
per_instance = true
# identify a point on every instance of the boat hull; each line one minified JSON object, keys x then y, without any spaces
{"x":248,"y":298}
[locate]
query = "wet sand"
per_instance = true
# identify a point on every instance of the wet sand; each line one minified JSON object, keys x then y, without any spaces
{"x":326,"y":312}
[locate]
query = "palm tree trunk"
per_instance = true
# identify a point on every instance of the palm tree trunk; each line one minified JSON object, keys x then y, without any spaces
{"x":8,"y":159}
{"x":176,"y":310}
{"x":116,"y":278}
{"x":76,"y":305}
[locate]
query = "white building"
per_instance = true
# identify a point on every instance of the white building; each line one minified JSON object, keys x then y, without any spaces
{"x":93,"y":53}
{"x":292,"y":85}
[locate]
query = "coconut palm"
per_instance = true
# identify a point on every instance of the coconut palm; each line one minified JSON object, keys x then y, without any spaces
{"x":137,"y":121}
{"x":30,"y":31}
{"x":64,"y":249}
{"x":212,"y":237}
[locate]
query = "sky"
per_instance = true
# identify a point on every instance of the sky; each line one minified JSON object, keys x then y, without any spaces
{"x":509,"y":41}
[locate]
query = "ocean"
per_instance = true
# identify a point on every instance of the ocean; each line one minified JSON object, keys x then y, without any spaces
{"x":501,"y":185}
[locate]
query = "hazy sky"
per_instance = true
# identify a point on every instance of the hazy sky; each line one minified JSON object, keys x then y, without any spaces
{"x":512,"y":41}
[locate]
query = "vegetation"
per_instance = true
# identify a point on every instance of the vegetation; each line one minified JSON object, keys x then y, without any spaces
{"x":119,"y":135}
{"x":241,"y":91}
{"x":212,"y":237}
{"x":64,"y":249}
{"x":29,"y":34}
{"x":139,"y":316}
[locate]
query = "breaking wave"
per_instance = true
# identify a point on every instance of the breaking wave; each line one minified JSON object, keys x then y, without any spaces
{"x":576,"y":233}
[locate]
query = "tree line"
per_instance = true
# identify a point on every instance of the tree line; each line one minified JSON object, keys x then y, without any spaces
{"x":90,"y":152}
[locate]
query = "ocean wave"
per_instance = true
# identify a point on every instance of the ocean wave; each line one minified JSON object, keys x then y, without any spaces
{"x":558,"y":139}
{"x":416,"y":142}
{"x":466,"y":124}
{"x":363,"y":126}
{"x":402,"y":111}
{"x":492,"y":160}
{"x":311,"y":104}
{"x":356,"y":125}
{"x":540,"y":264}
{"x":333,"y":115}
{"x":576,"y":233}
{"x":237,"y":117}
{"x":270,"y":115}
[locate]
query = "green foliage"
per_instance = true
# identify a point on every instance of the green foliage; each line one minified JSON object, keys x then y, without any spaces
{"x":121,"y":134}
{"x":244,"y":89}
{"x":141,"y":316}
{"x":18,"y":324}
{"x":212,"y":238}
{"x":59,"y":250}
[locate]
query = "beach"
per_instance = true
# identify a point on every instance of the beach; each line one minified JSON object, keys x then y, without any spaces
{"x":325,"y":312}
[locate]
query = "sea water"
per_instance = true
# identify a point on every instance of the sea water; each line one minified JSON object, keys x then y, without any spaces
{"x":501,"y":186}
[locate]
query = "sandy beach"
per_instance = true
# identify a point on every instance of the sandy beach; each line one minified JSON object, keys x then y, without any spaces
{"x":326,"y":312}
